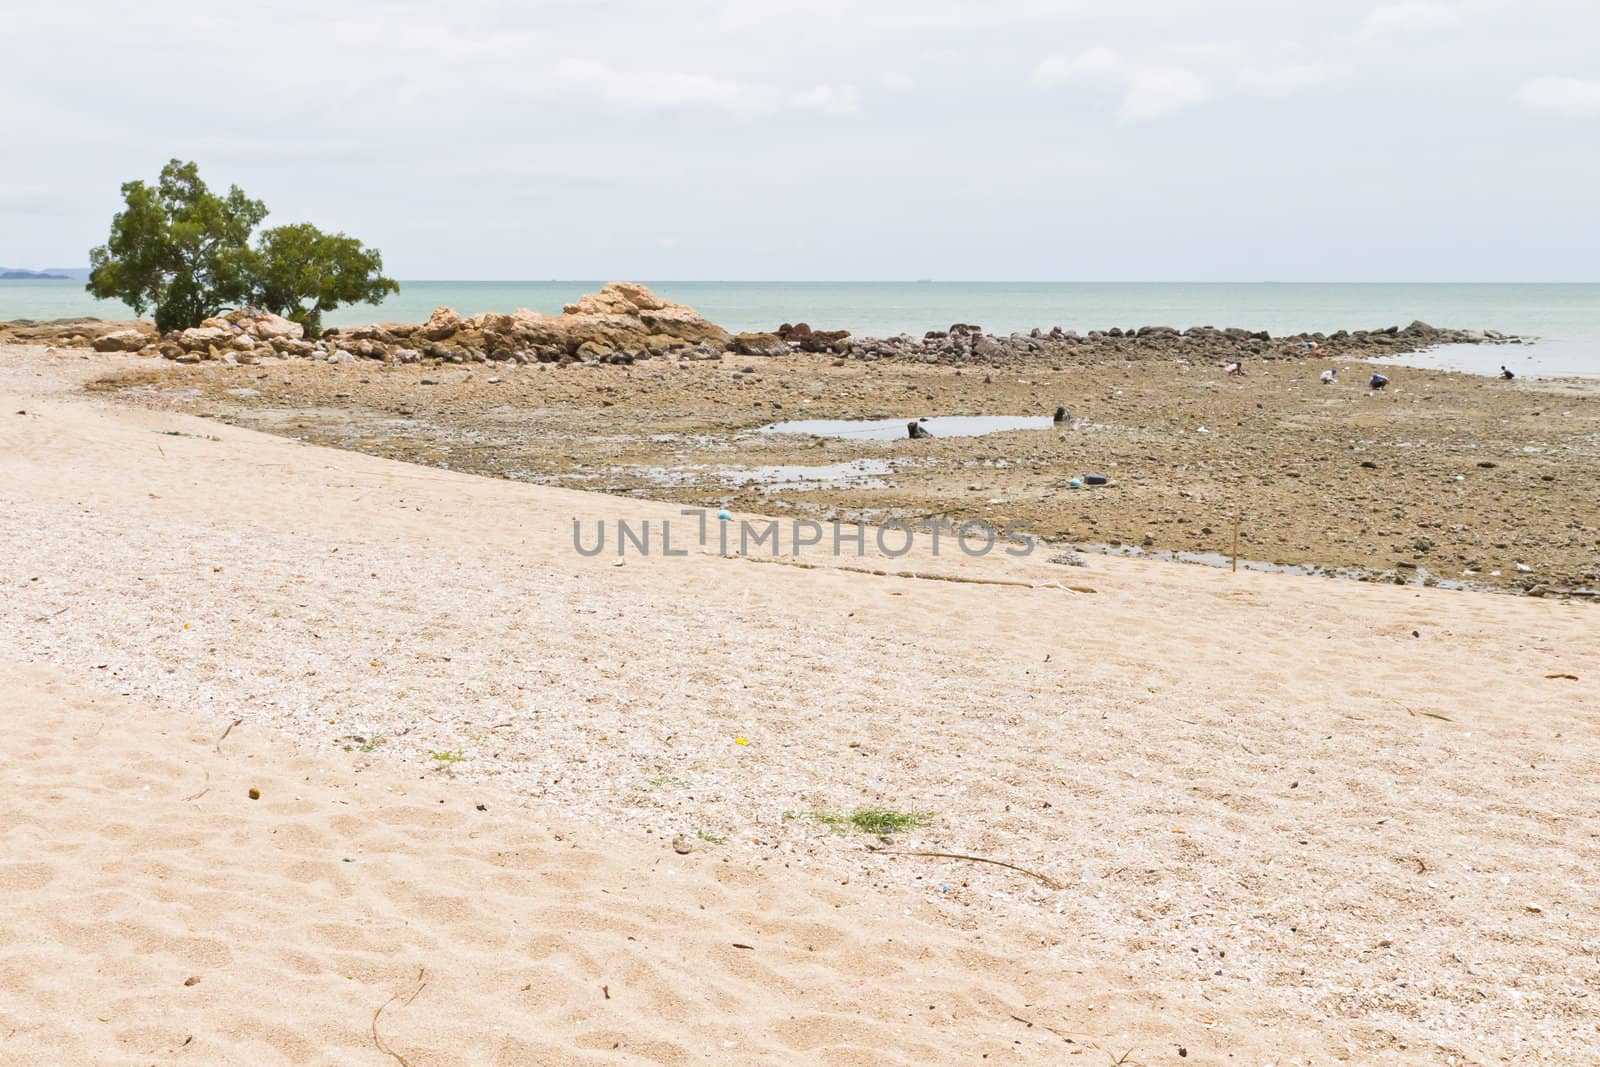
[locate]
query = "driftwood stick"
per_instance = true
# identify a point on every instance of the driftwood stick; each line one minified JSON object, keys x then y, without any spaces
{"x":1046,"y":879}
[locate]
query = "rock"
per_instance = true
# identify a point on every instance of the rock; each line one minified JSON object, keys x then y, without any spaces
{"x":626,"y":316}
{"x":121,"y":341}
{"x":759,"y":344}
{"x":915,"y":430}
{"x":407,"y":355}
{"x":199,"y":338}
{"x":442,"y":324}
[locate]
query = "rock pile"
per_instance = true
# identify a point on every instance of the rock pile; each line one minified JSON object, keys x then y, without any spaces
{"x":625,"y":322}
{"x":621,"y":323}
{"x":965,"y":344}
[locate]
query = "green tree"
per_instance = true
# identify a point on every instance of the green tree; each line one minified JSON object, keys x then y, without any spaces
{"x":183,"y":251}
{"x":300,"y":272}
{"x":177,"y":248}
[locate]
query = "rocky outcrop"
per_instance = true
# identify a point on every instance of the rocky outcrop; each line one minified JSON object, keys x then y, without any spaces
{"x":625,"y":322}
{"x":964,"y":344}
{"x":621,"y":323}
{"x":78,"y":333}
{"x":804,"y":339}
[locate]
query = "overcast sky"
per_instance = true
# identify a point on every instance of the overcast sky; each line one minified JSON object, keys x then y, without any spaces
{"x":823,"y":139}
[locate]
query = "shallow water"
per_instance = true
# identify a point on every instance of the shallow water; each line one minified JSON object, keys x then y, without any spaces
{"x":895,"y":429}
{"x":855,"y":474}
{"x":1565,"y":318}
{"x":1547,"y":359}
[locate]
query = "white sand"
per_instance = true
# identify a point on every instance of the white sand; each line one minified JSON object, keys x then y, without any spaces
{"x":1285,"y":828}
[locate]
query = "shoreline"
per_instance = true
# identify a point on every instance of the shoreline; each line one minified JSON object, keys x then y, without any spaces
{"x":1251,"y":790}
{"x":1441,"y":474}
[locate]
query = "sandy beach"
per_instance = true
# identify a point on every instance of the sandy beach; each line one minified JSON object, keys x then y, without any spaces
{"x":521,"y":806}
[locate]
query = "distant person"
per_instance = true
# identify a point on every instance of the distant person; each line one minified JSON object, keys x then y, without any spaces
{"x":1377,"y":381}
{"x":1330,"y":376}
{"x":1235,"y":370}
{"x":1506,"y":372}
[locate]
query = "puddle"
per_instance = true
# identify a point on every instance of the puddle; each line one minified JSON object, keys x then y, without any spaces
{"x":857,"y":474}
{"x":895,"y":429}
{"x":853,"y":474}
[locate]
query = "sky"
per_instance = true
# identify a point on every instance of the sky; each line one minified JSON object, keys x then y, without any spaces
{"x":1126,"y":140}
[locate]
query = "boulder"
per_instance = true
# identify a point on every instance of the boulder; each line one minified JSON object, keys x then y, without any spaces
{"x":199,"y":338}
{"x":758,"y":344}
{"x":442,"y":324}
{"x":121,"y":341}
{"x":625,"y":314}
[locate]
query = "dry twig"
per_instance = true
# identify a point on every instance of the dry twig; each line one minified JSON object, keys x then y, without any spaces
{"x":422,"y":982}
{"x":1046,"y":879}
{"x":225,"y":733}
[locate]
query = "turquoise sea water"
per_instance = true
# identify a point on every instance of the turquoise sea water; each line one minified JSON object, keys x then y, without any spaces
{"x":1566,"y":318}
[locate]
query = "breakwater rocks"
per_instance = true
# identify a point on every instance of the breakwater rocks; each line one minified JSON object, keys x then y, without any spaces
{"x":626,"y":322}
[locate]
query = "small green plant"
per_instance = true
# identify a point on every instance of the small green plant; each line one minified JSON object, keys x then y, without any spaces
{"x":871,"y":821}
{"x":710,"y":836}
{"x":447,"y":756}
{"x":373,"y":742}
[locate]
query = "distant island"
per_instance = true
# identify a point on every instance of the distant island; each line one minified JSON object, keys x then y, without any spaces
{"x":16,"y":274}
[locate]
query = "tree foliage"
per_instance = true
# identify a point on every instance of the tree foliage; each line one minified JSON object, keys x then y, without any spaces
{"x":184,"y":252}
{"x":300,"y":272}
{"x":177,"y":248}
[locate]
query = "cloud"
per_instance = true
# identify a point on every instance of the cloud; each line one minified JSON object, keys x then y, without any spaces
{"x":1154,"y":92}
{"x":829,"y":99}
{"x":1572,"y":97}
{"x":643,"y":90}
{"x":1412,"y":16}
{"x":1287,"y":79}
{"x":896,"y":81}
{"x":1092,"y":64}
{"x":1149,"y":91}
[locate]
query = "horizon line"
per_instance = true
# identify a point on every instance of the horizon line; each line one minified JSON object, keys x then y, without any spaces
{"x":901,"y":281}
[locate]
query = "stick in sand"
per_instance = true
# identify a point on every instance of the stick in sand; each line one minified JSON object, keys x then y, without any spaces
{"x":1046,"y":879}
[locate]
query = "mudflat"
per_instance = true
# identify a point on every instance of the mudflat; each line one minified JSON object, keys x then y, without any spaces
{"x":1441,"y":477}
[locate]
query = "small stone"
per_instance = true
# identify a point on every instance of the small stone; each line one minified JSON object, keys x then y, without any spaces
{"x":255,"y":794}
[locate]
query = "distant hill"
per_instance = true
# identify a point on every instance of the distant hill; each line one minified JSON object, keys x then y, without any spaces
{"x":11,"y":274}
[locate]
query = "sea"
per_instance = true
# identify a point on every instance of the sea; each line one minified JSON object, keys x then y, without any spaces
{"x":1562,"y":319}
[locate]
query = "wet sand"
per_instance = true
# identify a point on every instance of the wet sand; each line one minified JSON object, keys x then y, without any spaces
{"x":1440,"y":478}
